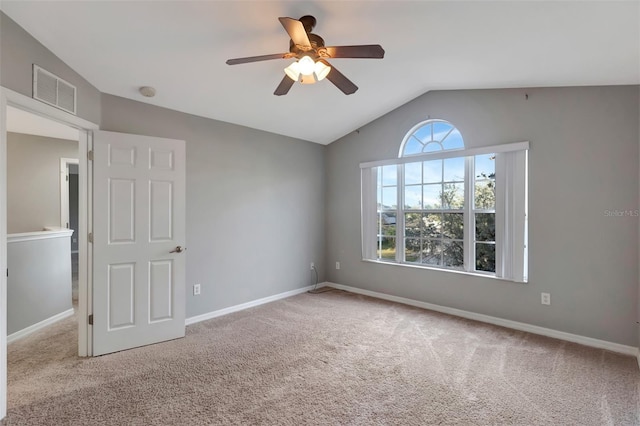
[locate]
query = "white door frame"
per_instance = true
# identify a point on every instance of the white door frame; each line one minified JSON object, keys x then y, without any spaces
{"x":11,"y":98}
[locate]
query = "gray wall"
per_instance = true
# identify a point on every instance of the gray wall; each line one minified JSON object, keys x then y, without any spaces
{"x":583,"y":161}
{"x":20,"y":51}
{"x":255,"y":204}
{"x":33,"y":180}
{"x":39,"y":281}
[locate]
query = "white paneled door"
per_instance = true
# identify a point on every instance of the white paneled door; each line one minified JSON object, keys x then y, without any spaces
{"x":138,"y":241}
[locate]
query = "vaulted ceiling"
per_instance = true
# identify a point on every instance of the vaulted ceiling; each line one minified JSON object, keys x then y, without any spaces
{"x":180,"y":48}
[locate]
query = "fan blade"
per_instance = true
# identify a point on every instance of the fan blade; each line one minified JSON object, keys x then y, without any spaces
{"x":339,"y":79}
{"x":284,"y":86}
{"x":257,"y":58}
{"x":373,"y":51}
{"x":296,"y":31}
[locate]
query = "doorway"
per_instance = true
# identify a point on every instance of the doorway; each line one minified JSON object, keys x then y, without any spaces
{"x":69,"y":213}
{"x":39,"y":248}
{"x":9,"y":98}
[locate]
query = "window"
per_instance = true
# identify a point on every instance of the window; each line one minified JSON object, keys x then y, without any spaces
{"x":441,"y":205}
{"x":431,"y":136}
{"x":433,"y":212}
{"x":484,"y":212}
{"x":387,"y":188}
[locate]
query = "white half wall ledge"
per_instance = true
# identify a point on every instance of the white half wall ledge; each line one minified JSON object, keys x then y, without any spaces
{"x":520,"y":326}
{"x":38,"y":326}
{"x":49,"y":232}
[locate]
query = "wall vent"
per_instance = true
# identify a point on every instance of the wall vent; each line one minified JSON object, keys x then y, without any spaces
{"x":52,"y":90}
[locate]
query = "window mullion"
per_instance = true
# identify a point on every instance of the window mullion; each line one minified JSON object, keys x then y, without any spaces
{"x":379,"y":212}
{"x":400,"y":216}
{"x":469,"y":246}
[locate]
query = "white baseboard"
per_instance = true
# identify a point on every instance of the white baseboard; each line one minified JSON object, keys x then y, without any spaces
{"x":236,"y":308}
{"x":583,"y":340}
{"x":40,"y":325}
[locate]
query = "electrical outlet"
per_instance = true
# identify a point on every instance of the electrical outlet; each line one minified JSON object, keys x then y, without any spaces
{"x":313,"y":265}
{"x":337,"y":265}
{"x":196,"y":289}
{"x":545,"y":298}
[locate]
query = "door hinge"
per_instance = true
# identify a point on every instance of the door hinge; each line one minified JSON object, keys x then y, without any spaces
{"x":7,"y":272}
{"x":90,"y":237}
{"x":67,"y":178}
{"x":90,"y":155}
{"x":91,"y":319}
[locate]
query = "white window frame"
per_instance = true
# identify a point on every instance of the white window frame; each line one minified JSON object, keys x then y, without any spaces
{"x":510,"y":210}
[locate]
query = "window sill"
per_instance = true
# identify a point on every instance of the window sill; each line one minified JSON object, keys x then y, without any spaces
{"x":430,"y":268}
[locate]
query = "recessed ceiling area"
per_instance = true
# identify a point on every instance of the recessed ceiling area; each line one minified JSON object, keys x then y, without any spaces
{"x":180,"y":48}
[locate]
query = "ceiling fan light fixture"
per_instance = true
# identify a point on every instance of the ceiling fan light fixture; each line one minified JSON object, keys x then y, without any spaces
{"x":321,"y":70}
{"x":307,"y":71}
{"x":307,"y":65}
{"x":308,"y":79}
{"x":293,"y":71}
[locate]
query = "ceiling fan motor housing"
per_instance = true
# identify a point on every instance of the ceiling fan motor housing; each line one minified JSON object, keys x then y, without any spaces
{"x":308,"y":22}
{"x":316,"y":41}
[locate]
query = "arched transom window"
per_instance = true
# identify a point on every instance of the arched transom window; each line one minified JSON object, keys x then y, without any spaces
{"x":431,"y":136}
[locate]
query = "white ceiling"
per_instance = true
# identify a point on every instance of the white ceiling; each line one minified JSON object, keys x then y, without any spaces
{"x":180,"y":48}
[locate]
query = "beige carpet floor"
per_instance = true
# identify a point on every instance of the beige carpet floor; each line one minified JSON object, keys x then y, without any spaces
{"x":328,"y":359}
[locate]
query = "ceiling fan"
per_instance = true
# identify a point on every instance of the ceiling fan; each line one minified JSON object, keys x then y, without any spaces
{"x":311,"y":56}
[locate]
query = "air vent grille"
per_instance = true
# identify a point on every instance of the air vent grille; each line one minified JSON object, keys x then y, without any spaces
{"x":53,"y":90}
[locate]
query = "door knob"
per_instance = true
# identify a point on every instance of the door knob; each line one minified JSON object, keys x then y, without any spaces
{"x":178,"y":249}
